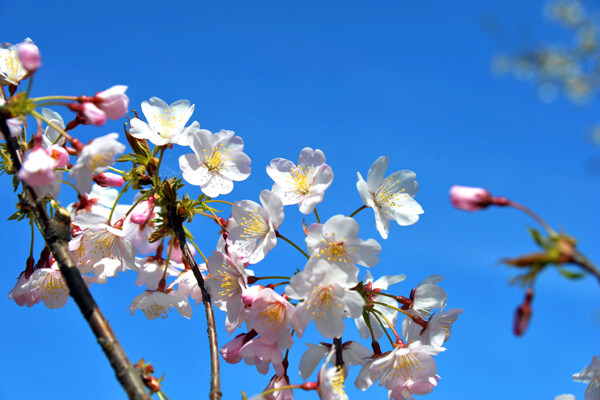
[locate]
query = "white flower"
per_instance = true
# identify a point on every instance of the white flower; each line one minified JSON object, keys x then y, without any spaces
{"x":304,"y":184}
{"x":252,"y":227}
{"x":323,"y":299}
{"x":404,"y":371}
{"x":166,"y":123}
{"x":427,"y":296}
{"x":217,"y":161}
{"x":380,"y":284}
{"x":590,"y":374}
{"x":11,"y":69}
{"x":336,"y":242}
{"x":331,"y":384}
{"x":271,"y":315}
{"x":157,"y":304}
{"x":53,"y":290}
{"x":150,"y":271}
{"x":353,"y":353}
{"x":227,"y":279}
{"x":437,"y":331}
{"x":390,"y":198}
{"x":97,"y":156}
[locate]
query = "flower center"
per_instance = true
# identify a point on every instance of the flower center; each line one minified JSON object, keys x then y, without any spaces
{"x":156,"y":310}
{"x":335,"y":251}
{"x":53,"y":287}
{"x":389,"y":194}
{"x":406,"y":365}
{"x":300,"y":180}
{"x":12,"y":66}
{"x":167,"y":121}
{"x":228,"y":284}
{"x":322,"y":299}
{"x":254,"y":225}
{"x":273,"y":315}
{"x":217,"y":158}
{"x":101,"y":160}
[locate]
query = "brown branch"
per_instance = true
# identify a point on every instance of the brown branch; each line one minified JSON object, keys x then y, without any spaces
{"x":339,"y":358}
{"x":176,"y":224}
{"x":56,"y":234}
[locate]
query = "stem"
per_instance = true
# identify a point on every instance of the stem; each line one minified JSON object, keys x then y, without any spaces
{"x":39,"y":99}
{"x":73,"y":186}
{"x":32,"y":237}
{"x":199,"y":252}
{"x":219,"y":201}
{"x":52,"y":125}
{"x":287,"y":278}
{"x":56,"y":233}
{"x":389,"y":306}
{"x":359,"y":209}
{"x":112,"y":210}
{"x":384,"y":330}
{"x":339,"y":359}
{"x":162,"y":152}
{"x":317,"y":215}
{"x":177,"y":226}
{"x":579,"y":259}
{"x":389,"y":324}
{"x":29,"y":83}
{"x":117,"y":170}
{"x":533,"y":215}
{"x":208,"y":216}
{"x":168,"y":259}
{"x":279,"y":235}
{"x":51,"y":103}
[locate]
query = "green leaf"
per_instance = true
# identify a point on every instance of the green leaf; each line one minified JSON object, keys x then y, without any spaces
{"x":535,"y":234}
{"x":570,"y":274}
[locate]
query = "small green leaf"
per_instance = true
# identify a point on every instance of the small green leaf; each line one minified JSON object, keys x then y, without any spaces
{"x":535,"y":234}
{"x":570,"y":274}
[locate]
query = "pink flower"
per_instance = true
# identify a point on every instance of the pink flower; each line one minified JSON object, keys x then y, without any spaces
{"x":60,"y":156}
{"x":474,"y":199}
{"x":276,"y":383}
{"x":108,"y":179}
{"x":37,"y":168}
{"x":231,"y":350}
{"x":93,"y":114}
{"x":113,"y":101}
{"x":176,"y":252}
{"x":143,"y":211}
{"x":29,"y":56}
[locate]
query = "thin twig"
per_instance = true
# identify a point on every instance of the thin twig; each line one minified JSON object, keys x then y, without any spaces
{"x":177,"y":226}
{"x":56,"y":234}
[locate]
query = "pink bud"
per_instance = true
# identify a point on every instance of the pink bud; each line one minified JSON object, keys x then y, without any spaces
{"x":29,"y":56}
{"x":93,"y":114}
{"x":470,"y":198}
{"x":113,"y":101}
{"x":176,"y":252}
{"x":108,"y":179}
{"x":231,"y":350}
{"x":523,"y":314}
{"x":143,"y":211}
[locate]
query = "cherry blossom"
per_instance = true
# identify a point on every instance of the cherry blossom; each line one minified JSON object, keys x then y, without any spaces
{"x":403,"y":371}
{"x":53,"y":291}
{"x":590,"y":374}
{"x":275,"y":383}
{"x":336,"y":242}
{"x":304,"y":184}
{"x":252,"y":227}
{"x":391,"y":198}
{"x":156,"y":304}
{"x":427,"y":296}
{"x":231,"y":350}
{"x":150,"y":271}
{"x":437,"y":331}
{"x":108,"y":179}
{"x":259,"y":353}
{"x":24,"y":292}
{"x":11,"y":70}
{"x":227,"y":279}
{"x":96,"y":156}
{"x":271,"y":315}
{"x":29,"y":56}
{"x":37,"y":168}
{"x":217,"y":161}
{"x":166,"y":123}
{"x":187,"y":284}
{"x":324,"y":300}
{"x":331,"y":381}
{"x":353,"y":353}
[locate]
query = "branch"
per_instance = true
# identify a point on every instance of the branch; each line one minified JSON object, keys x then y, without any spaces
{"x":177,"y":225}
{"x":56,"y":233}
{"x":339,"y":358}
{"x":579,"y":259}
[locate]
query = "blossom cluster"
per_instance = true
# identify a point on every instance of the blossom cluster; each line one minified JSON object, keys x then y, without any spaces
{"x":109,"y":236}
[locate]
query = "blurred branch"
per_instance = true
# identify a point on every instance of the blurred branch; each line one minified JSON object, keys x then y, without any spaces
{"x":56,"y":233}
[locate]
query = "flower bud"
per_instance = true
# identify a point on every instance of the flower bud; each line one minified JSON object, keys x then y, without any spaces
{"x":176,"y":254}
{"x":108,"y":179}
{"x":93,"y":114}
{"x":470,"y":198}
{"x":523,"y":314}
{"x":231,"y":350}
{"x":113,"y":101}
{"x":143,"y":211}
{"x":60,"y":156}
{"x":29,"y":56}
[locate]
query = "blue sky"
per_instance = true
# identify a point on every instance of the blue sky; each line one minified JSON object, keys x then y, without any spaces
{"x":357,"y":80}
